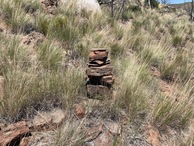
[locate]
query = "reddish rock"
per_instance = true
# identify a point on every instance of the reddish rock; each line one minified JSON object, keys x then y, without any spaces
{"x":98,"y":63}
{"x":98,"y":91}
{"x":107,"y":80}
{"x":100,"y":71}
{"x":80,"y":111}
{"x":153,"y":136}
{"x":98,"y":55}
{"x":14,"y":133}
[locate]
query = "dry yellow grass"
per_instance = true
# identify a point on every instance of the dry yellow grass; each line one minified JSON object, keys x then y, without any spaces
{"x":149,"y":39}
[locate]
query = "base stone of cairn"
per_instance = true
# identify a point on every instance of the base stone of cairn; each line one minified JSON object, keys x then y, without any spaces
{"x":99,"y":74}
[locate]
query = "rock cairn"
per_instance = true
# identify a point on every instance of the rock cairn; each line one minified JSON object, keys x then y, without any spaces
{"x":99,"y":74}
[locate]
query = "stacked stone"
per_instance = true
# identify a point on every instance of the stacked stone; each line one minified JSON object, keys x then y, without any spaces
{"x":100,"y":74}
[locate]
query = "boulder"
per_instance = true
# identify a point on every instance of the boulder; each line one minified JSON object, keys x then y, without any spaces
{"x":88,"y":5}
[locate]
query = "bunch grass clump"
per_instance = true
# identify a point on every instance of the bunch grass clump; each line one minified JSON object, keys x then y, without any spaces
{"x":14,"y":15}
{"x":177,"y":111}
{"x":132,"y":92}
{"x":27,"y":82}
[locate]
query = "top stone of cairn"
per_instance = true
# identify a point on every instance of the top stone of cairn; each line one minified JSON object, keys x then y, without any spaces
{"x":98,"y":54}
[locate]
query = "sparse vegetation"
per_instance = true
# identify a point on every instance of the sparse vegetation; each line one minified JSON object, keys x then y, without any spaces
{"x":54,"y":70}
{"x":70,"y":134}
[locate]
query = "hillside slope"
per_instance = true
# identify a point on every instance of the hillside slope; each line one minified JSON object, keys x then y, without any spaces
{"x":181,"y":5}
{"x":43,"y":57}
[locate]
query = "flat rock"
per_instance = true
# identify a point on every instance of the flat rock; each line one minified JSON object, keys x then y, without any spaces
{"x":57,"y":116}
{"x":107,"y":80}
{"x":98,"y":91}
{"x":98,"y":55}
{"x":13,"y":133}
{"x":93,"y":65}
{"x":98,"y":63}
{"x":42,"y":121}
{"x":48,"y":120}
{"x":100,"y":71}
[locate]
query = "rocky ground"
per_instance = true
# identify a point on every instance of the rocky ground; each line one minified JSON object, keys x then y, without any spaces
{"x":93,"y":128}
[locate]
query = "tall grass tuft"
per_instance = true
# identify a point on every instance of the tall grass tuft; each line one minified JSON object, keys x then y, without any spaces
{"x":13,"y":15}
{"x":131,"y":91}
{"x":70,"y":134}
{"x":172,"y":113}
